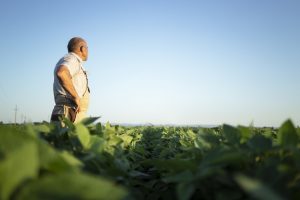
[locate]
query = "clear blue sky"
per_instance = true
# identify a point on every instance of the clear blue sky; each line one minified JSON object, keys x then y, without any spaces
{"x":158,"y":61}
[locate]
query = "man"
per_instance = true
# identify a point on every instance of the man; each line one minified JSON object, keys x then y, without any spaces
{"x":70,"y":87}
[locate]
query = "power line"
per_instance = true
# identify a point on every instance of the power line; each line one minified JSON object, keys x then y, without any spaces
{"x":16,"y":111}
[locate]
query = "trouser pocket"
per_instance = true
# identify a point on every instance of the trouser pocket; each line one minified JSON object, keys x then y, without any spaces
{"x":60,"y":111}
{"x":70,"y":113}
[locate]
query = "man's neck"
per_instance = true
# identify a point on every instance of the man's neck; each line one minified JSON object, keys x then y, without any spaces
{"x":78,"y":56}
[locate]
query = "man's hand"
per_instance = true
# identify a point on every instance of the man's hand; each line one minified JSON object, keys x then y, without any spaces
{"x":77,"y":101}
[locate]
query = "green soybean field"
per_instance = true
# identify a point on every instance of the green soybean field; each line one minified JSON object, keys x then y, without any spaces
{"x":91,"y":160}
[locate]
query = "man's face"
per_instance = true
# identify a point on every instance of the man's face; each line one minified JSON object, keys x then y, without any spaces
{"x":85,"y":52}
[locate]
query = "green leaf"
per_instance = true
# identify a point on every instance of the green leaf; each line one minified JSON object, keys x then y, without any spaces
{"x":185,"y":190}
{"x":201,"y":143}
{"x":256,"y":188}
{"x":232,"y":134}
{"x":11,"y":138}
{"x":97,"y":143}
{"x":223,"y":158}
{"x":68,"y":123}
{"x":209,"y":136}
{"x":126,"y":139}
{"x":44,"y":128}
{"x":71,"y":186}
{"x":172,"y":165}
{"x":89,"y":120}
{"x":83,"y":135}
{"x":20,"y":161}
{"x":107,"y":125}
{"x":108,"y":131}
{"x":114,"y":140}
{"x":287,"y":135}
{"x":260,"y":143}
{"x":138,"y":174}
{"x":185,"y":176}
{"x":54,"y":161}
{"x":229,"y":194}
{"x":70,"y":159}
{"x":30,"y":130}
{"x":245,"y":133}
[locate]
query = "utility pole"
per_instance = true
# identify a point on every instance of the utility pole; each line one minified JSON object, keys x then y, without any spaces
{"x":23,"y":118}
{"x":16,"y":110}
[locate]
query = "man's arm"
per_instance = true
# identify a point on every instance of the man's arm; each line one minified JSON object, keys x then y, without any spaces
{"x":65,"y":79}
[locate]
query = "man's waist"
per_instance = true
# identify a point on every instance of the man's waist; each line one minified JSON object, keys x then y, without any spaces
{"x":64,"y":100}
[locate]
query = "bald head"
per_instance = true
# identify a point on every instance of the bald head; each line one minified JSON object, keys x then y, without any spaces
{"x":75,"y":43}
{"x":79,"y":46}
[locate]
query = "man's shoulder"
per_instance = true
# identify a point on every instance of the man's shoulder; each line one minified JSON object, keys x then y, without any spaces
{"x":71,"y":62}
{"x":69,"y":57}
{"x":68,"y":60}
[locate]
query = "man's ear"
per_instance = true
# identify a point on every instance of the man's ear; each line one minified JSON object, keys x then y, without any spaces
{"x":81,"y":48}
